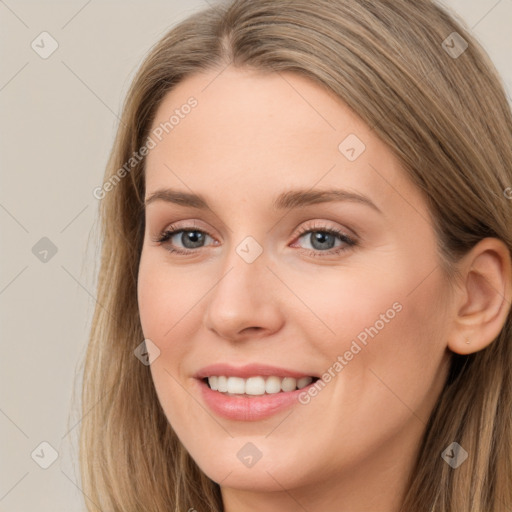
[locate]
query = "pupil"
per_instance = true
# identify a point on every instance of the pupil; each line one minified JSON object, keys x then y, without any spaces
{"x":320,"y":239}
{"x":192,"y":237}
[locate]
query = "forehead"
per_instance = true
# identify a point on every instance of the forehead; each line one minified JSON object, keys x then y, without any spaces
{"x":254,"y":134}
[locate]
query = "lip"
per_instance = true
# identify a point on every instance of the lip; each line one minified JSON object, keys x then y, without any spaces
{"x":245,"y":408}
{"x":249,"y":370}
{"x":248,"y":408}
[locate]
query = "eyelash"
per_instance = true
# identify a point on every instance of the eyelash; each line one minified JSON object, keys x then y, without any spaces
{"x":168,"y":233}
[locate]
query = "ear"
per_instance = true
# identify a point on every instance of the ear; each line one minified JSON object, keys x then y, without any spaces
{"x":483,"y":300}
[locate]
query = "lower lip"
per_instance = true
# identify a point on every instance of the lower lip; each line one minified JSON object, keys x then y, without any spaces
{"x":249,"y":408}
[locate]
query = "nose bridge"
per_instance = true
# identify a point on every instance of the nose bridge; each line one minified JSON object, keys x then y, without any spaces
{"x":243,"y":297}
{"x":244,"y":268}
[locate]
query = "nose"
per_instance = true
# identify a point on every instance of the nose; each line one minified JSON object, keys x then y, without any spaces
{"x":245,"y":302}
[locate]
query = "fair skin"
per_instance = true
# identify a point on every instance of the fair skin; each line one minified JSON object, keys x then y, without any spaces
{"x":351,"y":448}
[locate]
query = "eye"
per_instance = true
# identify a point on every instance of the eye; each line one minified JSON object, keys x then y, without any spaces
{"x":322,"y":240}
{"x":189,"y":236}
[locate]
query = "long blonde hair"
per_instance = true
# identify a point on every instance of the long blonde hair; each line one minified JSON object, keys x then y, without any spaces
{"x":446,"y":118}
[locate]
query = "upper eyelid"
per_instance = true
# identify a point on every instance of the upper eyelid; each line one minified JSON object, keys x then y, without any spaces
{"x":303,"y":229}
{"x":318,"y":225}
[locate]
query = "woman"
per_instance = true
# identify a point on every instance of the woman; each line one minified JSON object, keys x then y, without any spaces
{"x":305,"y":287}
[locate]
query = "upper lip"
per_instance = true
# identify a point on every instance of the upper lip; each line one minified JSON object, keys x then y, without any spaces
{"x":249,"y":370}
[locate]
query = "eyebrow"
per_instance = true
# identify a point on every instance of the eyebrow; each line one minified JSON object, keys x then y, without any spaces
{"x":285,"y":201}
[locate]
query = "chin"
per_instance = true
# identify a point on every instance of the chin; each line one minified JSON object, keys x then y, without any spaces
{"x":267,"y":474}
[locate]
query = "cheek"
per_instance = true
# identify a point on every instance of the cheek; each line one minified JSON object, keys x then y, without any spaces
{"x":402,"y":366}
{"x":150,"y":305}
{"x":391,"y":330}
{"x":352,"y":303}
{"x":163,"y":301}
{"x":165,"y":297}
{"x":169,"y":308}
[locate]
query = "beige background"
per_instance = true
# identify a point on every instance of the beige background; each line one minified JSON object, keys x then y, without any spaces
{"x":59,"y":116}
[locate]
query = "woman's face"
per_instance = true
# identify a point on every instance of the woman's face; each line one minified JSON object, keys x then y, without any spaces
{"x":278,"y":280}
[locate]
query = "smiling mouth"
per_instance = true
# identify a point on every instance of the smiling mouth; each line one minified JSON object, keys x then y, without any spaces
{"x":257,"y":385}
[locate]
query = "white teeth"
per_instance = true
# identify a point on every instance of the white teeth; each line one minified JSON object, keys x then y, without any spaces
{"x":222,"y":384}
{"x":236,"y":385}
{"x":273,"y":385}
{"x":302,"y":383}
{"x":289,"y":384}
{"x":213,"y":383}
{"x":256,"y":386}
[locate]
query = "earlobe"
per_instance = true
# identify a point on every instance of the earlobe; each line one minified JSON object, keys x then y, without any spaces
{"x":484,"y":297}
